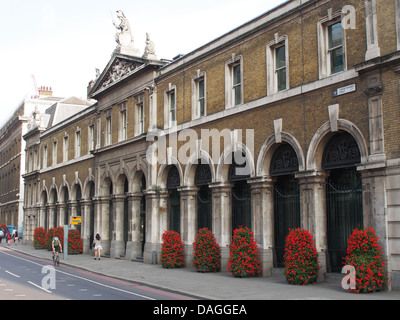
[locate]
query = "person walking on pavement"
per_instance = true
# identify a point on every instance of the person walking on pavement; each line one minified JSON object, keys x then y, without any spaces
{"x":1,"y":235}
{"x":97,"y":246}
{"x":8,"y":238}
{"x":15,"y":237}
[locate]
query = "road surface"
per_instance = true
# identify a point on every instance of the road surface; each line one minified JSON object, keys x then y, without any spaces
{"x":23,"y":277}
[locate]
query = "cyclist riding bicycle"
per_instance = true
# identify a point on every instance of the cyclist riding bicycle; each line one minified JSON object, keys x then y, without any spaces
{"x":56,"y":246}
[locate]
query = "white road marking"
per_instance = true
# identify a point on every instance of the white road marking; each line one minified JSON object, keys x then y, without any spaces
{"x":34,"y":284}
{"x":13,"y":274}
{"x":78,"y":277}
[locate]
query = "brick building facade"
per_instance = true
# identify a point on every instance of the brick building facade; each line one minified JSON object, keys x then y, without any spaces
{"x":290,"y":120}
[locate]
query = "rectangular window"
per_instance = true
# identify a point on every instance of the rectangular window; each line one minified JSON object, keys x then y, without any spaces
{"x":237,"y":85}
{"x":54,"y":153}
{"x":91,"y":138}
{"x":335,"y":47}
{"x":141,"y":118}
{"x":45,"y":156}
{"x":77,"y":144}
{"x":123,"y":129}
{"x":172,"y":109}
{"x":331,"y":45}
{"x":108,"y":131}
{"x":280,"y":67}
{"x":201,"y":98}
{"x":65,"y":149}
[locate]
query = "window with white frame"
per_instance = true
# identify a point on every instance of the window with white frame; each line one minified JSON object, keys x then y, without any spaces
{"x":54,"y":156}
{"x":170,"y":107}
{"x":122,"y":122}
{"x":199,"y":101}
{"x":277,"y":65}
{"x":108,"y":133}
{"x":44,"y":156}
{"x":332,"y":45}
{"x":139,"y":115}
{"x":91,"y":138}
{"x":234,"y":81}
{"x":65,"y":148}
{"x":78,"y":143}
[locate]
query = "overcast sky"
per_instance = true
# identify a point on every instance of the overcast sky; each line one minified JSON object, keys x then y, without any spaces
{"x":62,"y":42}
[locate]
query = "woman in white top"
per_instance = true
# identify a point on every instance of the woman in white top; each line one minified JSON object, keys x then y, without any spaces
{"x":97,"y":246}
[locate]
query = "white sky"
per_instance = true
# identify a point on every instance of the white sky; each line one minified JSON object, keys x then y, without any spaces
{"x":62,"y":42}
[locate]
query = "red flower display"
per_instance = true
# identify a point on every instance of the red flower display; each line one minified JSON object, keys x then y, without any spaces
{"x":75,"y":245}
{"x":244,"y":258}
{"x":365,"y":255}
{"x":207,"y":254}
{"x":39,"y":238}
{"x":301,"y":258}
{"x":172,"y":250}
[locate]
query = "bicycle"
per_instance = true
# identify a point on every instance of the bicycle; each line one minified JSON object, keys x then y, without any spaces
{"x":56,"y":258}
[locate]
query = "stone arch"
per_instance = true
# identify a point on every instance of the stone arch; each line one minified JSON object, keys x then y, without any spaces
{"x":107,"y":181}
{"x":322,"y":137}
{"x":224,"y":162}
{"x":74,"y":189}
{"x":86,"y":187}
{"x":53,"y":194}
{"x":164,"y":170}
{"x":44,"y":196}
{"x":268,"y":149}
{"x":61,"y":191}
{"x":119,"y":187}
{"x":190,"y":170}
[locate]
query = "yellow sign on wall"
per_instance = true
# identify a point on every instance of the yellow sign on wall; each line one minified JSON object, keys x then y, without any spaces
{"x":76,"y":220}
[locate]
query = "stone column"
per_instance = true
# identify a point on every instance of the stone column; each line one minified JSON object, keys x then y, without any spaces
{"x":85,"y":226}
{"x":222,"y":218}
{"x":103,"y":216}
{"x":62,"y":207}
{"x":117,"y":242}
{"x":156,"y":211}
{"x":51,"y":215}
{"x":313,"y":211}
{"x":42,"y":216}
{"x":262,"y":208}
{"x":134,"y":244}
{"x":188,"y":196}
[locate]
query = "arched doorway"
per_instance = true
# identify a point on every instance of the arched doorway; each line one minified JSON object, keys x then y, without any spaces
{"x":174,"y":200}
{"x":241,"y":194}
{"x":343,"y":196}
{"x":204,"y":196}
{"x":284,"y":164}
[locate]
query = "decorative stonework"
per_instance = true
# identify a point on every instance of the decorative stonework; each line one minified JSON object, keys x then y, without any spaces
{"x":120,"y":69}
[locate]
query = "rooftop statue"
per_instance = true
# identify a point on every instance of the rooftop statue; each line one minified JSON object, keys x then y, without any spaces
{"x":149,"y":51}
{"x":123,"y":37}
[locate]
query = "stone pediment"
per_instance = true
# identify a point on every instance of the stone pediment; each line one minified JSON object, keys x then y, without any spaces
{"x":118,"y":69}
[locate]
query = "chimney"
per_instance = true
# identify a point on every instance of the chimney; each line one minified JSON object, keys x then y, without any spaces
{"x":45,"y":91}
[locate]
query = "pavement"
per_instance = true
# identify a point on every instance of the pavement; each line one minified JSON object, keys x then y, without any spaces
{"x":206,"y":286}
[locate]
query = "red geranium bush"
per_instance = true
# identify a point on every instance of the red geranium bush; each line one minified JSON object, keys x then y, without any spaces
{"x":39,"y":238}
{"x":365,"y":255}
{"x":207,"y":254}
{"x":244,"y":258}
{"x":75,"y":245}
{"x":301,"y":265}
{"x":172,"y":250}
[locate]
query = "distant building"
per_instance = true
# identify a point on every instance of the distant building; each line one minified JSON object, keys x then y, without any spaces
{"x":14,"y":160}
{"x":290,"y":120}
